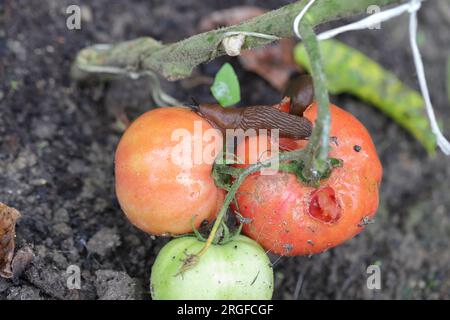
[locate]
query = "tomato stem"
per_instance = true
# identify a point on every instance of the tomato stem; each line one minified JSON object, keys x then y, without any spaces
{"x":284,"y":156}
{"x":317,"y":163}
{"x":178,"y":60}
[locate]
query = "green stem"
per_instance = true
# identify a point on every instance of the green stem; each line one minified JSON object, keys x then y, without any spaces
{"x":317,"y":162}
{"x":177,"y":60}
{"x":285,"y":156}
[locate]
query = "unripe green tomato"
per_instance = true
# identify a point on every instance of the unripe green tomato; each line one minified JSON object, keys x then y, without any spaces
{"x":239,"y":269}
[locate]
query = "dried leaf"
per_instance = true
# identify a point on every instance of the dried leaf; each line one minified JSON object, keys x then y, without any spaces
{"x":229,"y":17}
{"x":8,"y":218}
{"x":274,"y":63}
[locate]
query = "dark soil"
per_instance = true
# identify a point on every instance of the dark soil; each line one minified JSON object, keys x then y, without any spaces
{"x":57,"y":141}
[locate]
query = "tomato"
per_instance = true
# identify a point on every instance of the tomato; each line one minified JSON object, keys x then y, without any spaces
{"x":159,"y":189}
{"x":239,"y":269}
{"x":289,"y":217}
{"x":283,"y":105}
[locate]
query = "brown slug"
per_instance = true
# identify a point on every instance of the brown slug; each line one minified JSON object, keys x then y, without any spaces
{"x":300,"y":90}
{"x":255,"y":117}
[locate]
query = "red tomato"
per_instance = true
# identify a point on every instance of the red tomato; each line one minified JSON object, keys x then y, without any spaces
{"x":290,"y":218}
{"x":160,"y":194}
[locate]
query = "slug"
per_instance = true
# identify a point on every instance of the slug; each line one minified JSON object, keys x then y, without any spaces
{"x":255,"y":117}
{"x":300,"y":90}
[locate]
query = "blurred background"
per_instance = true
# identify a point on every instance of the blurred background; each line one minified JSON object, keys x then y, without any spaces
{"x":57,"y":143}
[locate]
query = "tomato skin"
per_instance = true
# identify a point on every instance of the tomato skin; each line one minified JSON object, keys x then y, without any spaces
{"x":158,"y":195}
{"x":291,"y":218}
{"x":236,"y":270}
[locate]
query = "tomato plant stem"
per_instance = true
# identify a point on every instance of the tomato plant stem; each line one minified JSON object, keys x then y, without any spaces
{"x":177,"y":60}
{"x":317,"y":163}
{"x":285,"y":156}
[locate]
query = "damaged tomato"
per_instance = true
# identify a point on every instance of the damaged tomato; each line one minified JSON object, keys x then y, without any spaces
{"x":323,"y":205}
{"x":289,"y":217}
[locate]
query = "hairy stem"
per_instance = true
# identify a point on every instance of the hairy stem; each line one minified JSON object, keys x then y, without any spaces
{"x":177,"y":60}
{"x":317,"y":163}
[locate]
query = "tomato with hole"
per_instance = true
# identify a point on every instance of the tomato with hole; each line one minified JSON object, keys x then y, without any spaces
{"x":239,"y":269}
{"x":290,"y":218}
{"x":163,"y":181}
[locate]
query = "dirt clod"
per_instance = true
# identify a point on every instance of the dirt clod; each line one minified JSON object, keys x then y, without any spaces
{"x":114,"y":285}
{"x":104,"y":241}
{"x":23,"y":293}
{"x":21,"y":261}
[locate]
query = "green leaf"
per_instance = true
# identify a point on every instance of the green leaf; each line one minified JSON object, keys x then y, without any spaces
{"x":221,"y":180}
{"x":348,"y":70}
{"x":196,"y":232}
{"x":226,"y":87}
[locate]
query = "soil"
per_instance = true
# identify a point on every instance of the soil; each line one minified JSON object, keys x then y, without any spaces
{"x":57,"y":141}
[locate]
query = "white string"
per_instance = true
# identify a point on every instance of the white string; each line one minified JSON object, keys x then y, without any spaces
{"x":442,"y":142}
{"x":367,"y":22}
{"x":299,"y":17}
{"x":412,"y":7}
